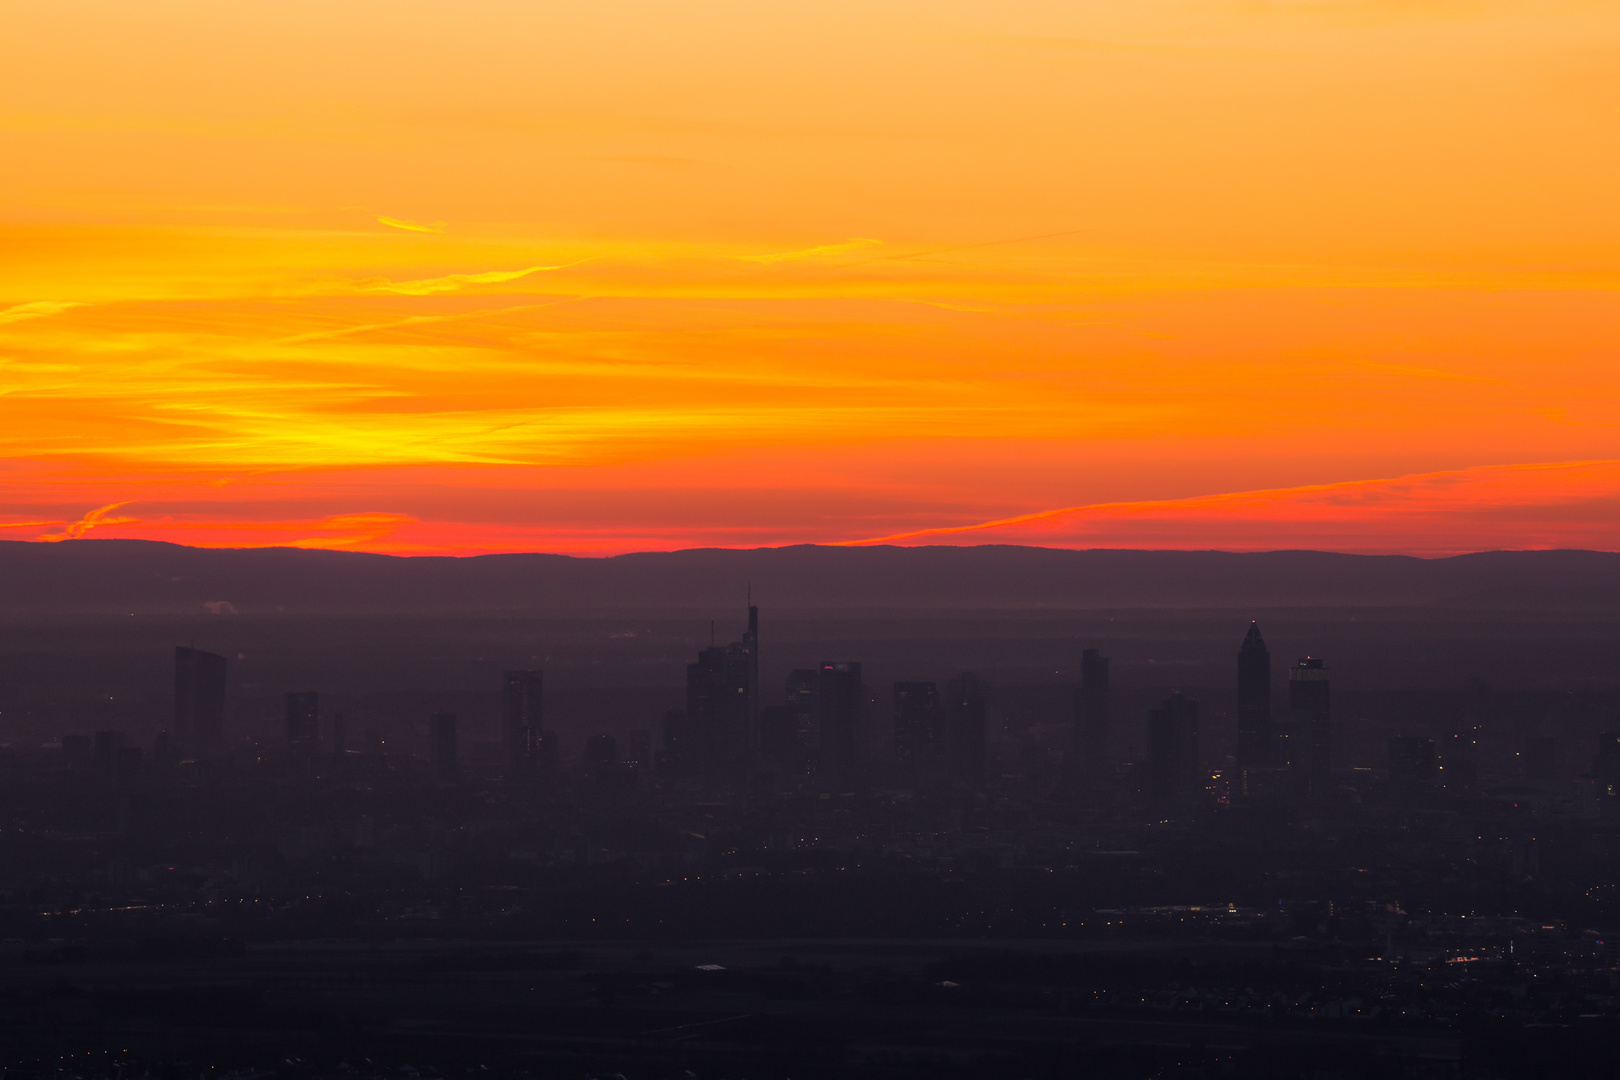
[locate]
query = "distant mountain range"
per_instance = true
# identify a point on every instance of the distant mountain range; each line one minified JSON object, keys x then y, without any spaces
{"x":117,"y":576}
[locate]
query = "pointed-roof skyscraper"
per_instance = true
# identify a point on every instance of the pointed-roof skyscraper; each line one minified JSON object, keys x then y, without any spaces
{"x":1254,"y":701}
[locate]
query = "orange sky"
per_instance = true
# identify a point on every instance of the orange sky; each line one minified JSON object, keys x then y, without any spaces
{"x":479,"y":276}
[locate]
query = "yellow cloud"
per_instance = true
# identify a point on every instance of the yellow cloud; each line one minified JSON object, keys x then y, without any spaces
{"x":854,"y":244}
{"x":411,"y":226}
{"x":35,"y":310}
{"x":452,"y":282}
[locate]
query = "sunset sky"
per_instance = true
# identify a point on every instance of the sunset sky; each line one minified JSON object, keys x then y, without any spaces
{"x":594,"y":277}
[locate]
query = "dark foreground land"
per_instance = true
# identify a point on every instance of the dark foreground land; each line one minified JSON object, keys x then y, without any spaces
{"x":362,"y":898}
{"x":1126,"y":1008}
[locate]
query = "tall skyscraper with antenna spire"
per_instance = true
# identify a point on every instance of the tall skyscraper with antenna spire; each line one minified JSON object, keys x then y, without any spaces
{"x":722,"y":705}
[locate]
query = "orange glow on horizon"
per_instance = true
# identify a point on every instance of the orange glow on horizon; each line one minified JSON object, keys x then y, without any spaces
{"x":432,"y":279}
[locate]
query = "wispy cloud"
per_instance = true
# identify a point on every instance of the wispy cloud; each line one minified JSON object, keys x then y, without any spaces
{"x":411,"y":226}
{"x":1537,"y":505}
{"x":351,"y":530}
{"x":37,"y":309}
{"x":95,"y":519}
{"x":854,"y":244}
{"x":400,"y":324}
{"x":453,"y":282}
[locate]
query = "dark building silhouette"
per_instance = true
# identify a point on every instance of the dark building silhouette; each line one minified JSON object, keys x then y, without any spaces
{"x":1307,"y":740}
{"x":442,"y":741}
{"x":199,"y":698}
{"x":639,"y":750}
{"x":841,"y":705}
{"x":919,"y":727}
{"x":967,"y":732}
{"x":675,"y":754}
{"x":1412,"y":761}
{"x":717,"y":711}
{"x":722,"y":706}
{"x":522,"y":718}
{"x":1091,"y":722}
{"x":1254,"y":745}
{"x":750,"y":645}
{"x":303,"y":721}
{"x":601,"y":752}
{"x":776,"y":740}
{"x":804,"y":720}
{"x":339,"y":736}
{"x":1173,"y":765}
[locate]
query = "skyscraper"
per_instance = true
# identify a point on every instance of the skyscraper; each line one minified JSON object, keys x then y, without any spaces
{"x":750,"y":644}
{"x":1173,"y":763}
{"x":717,"y":704}
{"x":601,"y":753}
{"x":303,"y":721}
{"x":965,"y":706}
{"x":522,"y":716}
{"x":199,"y":698}
{"x":639,"y":749}
{"x":841,"y":704}
{"x":1254,"y":745}
{"x":1091,"y":720}
{"x":722,"y":705}
{"x":675,"y":756}
{"x":1309,"y":730}
{"x":803,"y":740}
{"x":919,"y":735}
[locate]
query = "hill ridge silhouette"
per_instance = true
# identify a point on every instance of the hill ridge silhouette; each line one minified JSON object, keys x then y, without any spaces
{"x":152,"y":576}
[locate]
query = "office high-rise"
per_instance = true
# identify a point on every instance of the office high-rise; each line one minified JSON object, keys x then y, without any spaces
{"x":601,"y":753}
{"x":303,"y":719}
{"x":722,"y":706}
{"x":750,"y":645}
{"x":966,"y":724}
{"x":919,"y":736}
{"x":199,"y":698}
{"x":1254,"y":745}
{"x":639,"y":749}
{"x":717,"y":707}
{"x":675,"y":755}
{"x":522,"y":716}
{"x":1091,"y":743}
{"x":1173,"y":763}
{"x":841,"y":705}
{"x":1309,"y":727}
{"x":803,"y":740}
